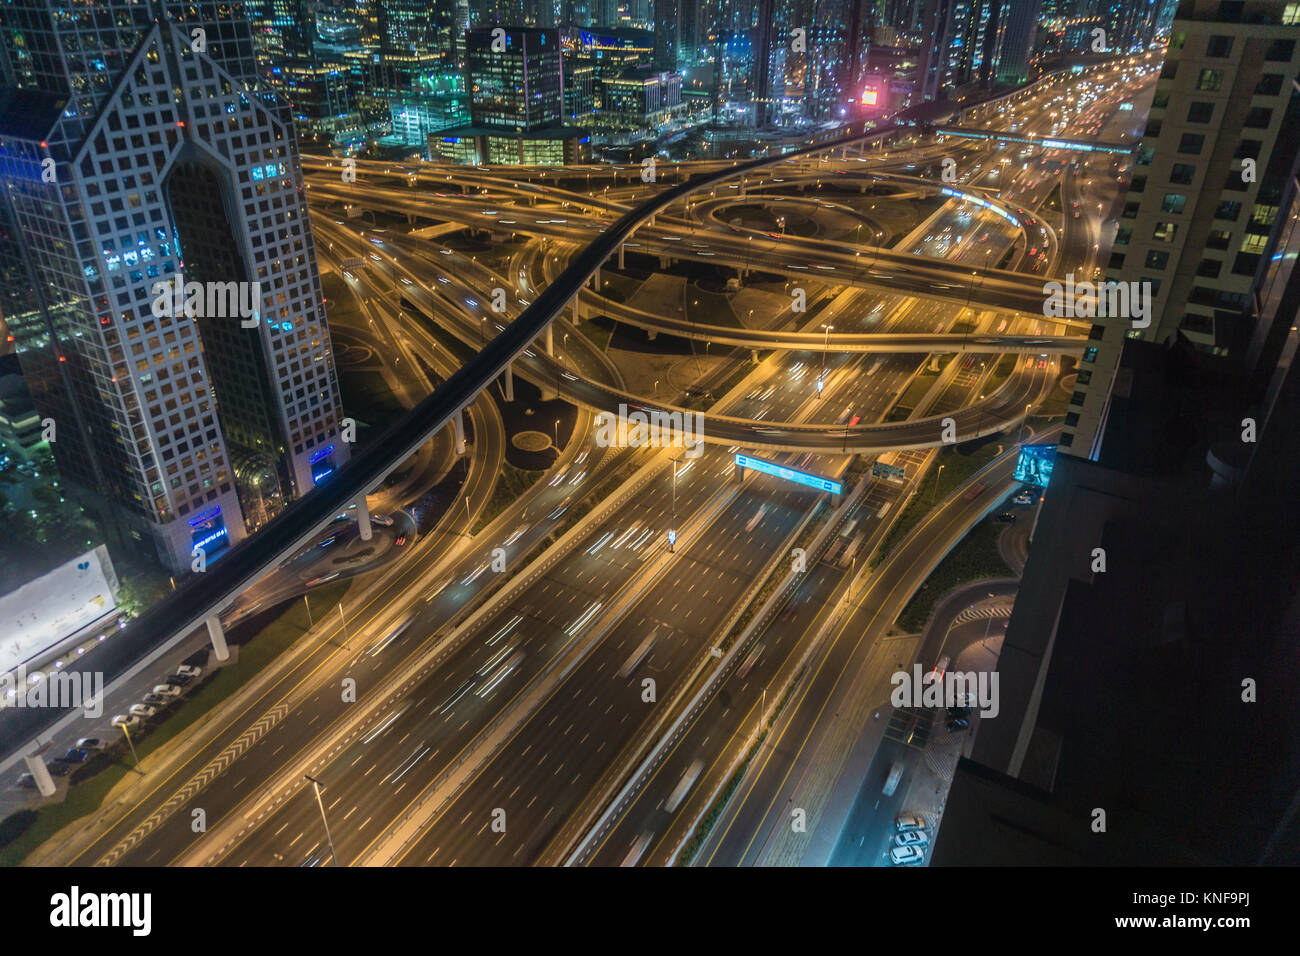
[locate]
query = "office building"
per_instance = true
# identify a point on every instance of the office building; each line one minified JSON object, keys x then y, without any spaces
{"x":515,"y":79}
{"x":128,"y":158}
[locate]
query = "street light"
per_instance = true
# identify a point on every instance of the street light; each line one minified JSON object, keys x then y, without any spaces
{"x":346,"y":640}
{"x":672,"y":524}
{"x":821,"y":380}
{"x":131,"y":743}
{"x":316,"y":784}
{"x":935,"y":490}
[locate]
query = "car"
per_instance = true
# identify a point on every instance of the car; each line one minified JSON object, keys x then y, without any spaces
{"x":955,"y":713}
{"x":1007,"y":517}
{"x":957,"y":724}
{"x":1025,"y":497}
{"x":166,"y":691}
{"x":89,"y":743}
{"x":909,"y":821}
{"x":911,"y":838}
{"x":26,"y":781}
{"x":176,"y":680}
{"x":189,"y":670}
{"x":906,"y":856}
{"x":143,"y":710}
{"x":129,"y":721}
{"x":940,"y":668}
{"x":58,"y":769}
{"x":75,"y":756}
{"x":156,"y":700}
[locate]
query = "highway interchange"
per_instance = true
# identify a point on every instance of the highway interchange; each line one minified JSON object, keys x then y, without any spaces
{"x":499,"y":709}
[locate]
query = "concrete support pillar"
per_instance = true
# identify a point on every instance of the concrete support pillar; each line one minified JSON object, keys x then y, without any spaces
{"x":595,"y":280}
{"x":550,"y":340}
{"x":753,"y":354}
{"x":218,"y":637}
{"x":577,"y":310}
{"x":510,"y":384}
{"x":622,"y":250}
{"x":363,"y":518}
{"x":665,"y":262}
{"x":740,"y":471}
{"x":40,"y":773}
{"x":459,"y":425}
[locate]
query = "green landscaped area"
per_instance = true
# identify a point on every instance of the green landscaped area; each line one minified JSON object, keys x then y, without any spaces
{"x":254,"y":655}
{"x":915,"y":391}
{"x":973,"y":559}
{"x":511,"y":483}
{"x":936,"y":486}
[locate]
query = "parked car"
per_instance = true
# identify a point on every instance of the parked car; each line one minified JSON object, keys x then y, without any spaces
{"x":156,"y":700}
{"x":60,"y":769}
{"x":129,"y":721}
{"x":75,"y":756}
{"x":143,"y":710}
{"x":1025,"y":497}
{"x":958,"y":724}
{"x":167,"y":691}
{"x":911,"y":838}
{"x":906,"y":856}
{"x":89,"y":743}
{"x":1008,"y":517}
{"x":909,"y":821}
{"x":189,"y":670}
{"x":26,"y":781}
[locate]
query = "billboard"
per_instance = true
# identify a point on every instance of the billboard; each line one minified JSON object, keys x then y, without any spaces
{"x":789,"y":474}
{"x":42,"y":613}
{"x":1035,"y":464}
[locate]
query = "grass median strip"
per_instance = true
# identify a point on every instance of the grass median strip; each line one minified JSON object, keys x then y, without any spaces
{"x":706,"y":823}
{"x":974,"y":558}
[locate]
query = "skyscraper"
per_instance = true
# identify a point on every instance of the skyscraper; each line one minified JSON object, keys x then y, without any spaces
{"x":137,"y":145}
{"x":515,"y":79}
{"x":1202,"y":207}
{"x":667,"y":29}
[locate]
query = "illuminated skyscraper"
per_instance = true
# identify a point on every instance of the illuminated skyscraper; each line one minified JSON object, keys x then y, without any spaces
{"x":132,"y":150}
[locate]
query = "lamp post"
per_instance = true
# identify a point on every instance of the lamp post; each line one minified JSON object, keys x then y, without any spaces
{"x":935,"y":490}
{"x":672,"y":524}
{"x":316,"y":785}
{"x":131,"y":743}
{"x":826,"y":337}
{"x":347,"y":641}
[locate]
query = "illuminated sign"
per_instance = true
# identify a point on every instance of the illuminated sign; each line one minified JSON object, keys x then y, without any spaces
{"x":1035,"y":464}
{"x":869,"y":97}
{"x":789,"y":474}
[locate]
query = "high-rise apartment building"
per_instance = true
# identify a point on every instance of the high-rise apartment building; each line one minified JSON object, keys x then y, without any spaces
{"x":1201,"y":212}
{"x":138,"y":145}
